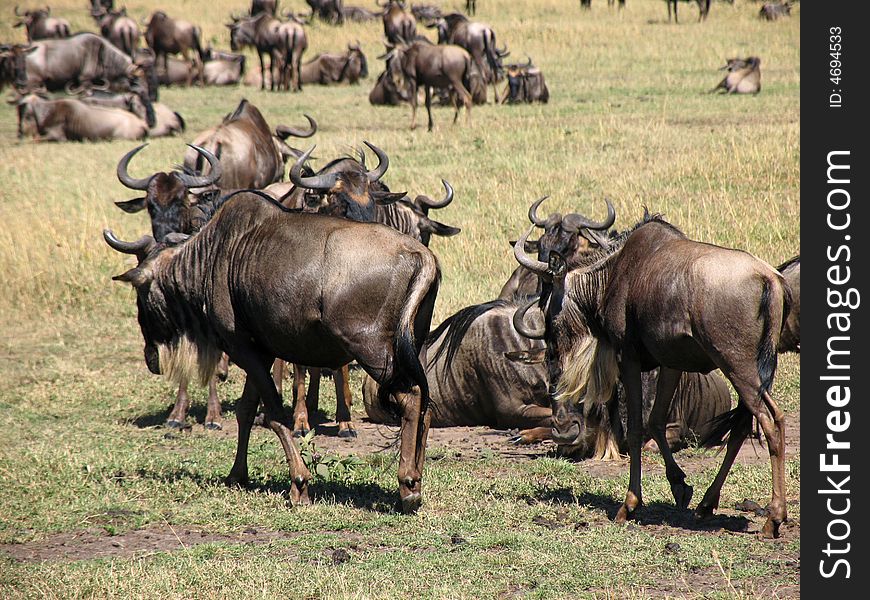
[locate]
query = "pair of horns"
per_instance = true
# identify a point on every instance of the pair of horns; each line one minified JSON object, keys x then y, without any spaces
{"x":189,"y":181}
{"x":327,"y":181}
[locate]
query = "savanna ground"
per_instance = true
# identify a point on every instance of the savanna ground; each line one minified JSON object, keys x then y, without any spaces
{"x":98,"y":500}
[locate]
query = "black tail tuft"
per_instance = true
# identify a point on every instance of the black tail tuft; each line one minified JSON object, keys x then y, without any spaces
{"x":720,"y":427}
{"x":766,"y":356}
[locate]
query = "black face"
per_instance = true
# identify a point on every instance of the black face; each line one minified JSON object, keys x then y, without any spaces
{"x":515,"y":84}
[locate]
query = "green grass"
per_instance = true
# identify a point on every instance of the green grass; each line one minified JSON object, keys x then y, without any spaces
{"x":629,"y":119}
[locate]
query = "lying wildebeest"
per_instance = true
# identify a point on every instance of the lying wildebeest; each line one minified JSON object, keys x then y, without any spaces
{"x":571,"y":236}
{"x":226,"y":286}
{"x":385,"y":92}
{"x":790,"y":338}
{"x":251,"y":155}
{"x":426,"y":13}
{"x":137,"y":103}
{"x":358,"y":14}
{"x":69,"y":119}
{"x":525,"y":84}
{"x":119,"y":29}
{"x":269,"y":7}
{"x":654,"y":298}
{"x":703,"y":9}
{"x":40,"y":25}
{"x":477,"y":377}
{"x":284,"y":43}
{"x":166,"y":36}
{"x":771,"y":11}
{"x":399,"y":25}
{"x":12,"y":65}
{"x":744,"y":76}
{"x":423,"y":64}
{"x":328,"y":68}
{"x":218,"y":68}
{"x":478,"y":39}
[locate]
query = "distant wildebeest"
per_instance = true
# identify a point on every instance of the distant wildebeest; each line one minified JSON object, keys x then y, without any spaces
{"x":283,"y":42}
{"x":12,"y":65}
{"x":478,"y":39}
{"x":69,"y":119}
{"x":40,"y":25}
{"x":525,"y":84}
{"x":385,"y":92}
{"x":703,"y":8}
{"x":442,"y":67}
{"x":238,"y":271}
{"x":399,"y":25}
{"x":471,"y":7}
{"x":744,"y":76}
{"x":252,"y":155}
{"x":771,"y":11}
{"x":653,"y":298}
{"x":358,"y":14}
{"x":426,"y":13}
{"x":166,"y":36}
{"x":588,"y":3}
{"x":329,"y":68}
{"x":119,"y":29}
{"x":137,"y":103}
{"x":327,"y":10}
{"x":218,"y":68}
{"x":269,"y":7}
{"x":790,"y":338}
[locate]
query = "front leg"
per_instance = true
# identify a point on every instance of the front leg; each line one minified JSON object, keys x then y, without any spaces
{"x":428,"y":90}
{"x":246,"y":410}
{"x":178,"y":416}
{"x":630,"y":374}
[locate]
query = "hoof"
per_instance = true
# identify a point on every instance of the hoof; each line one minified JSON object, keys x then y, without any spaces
{"x":299,"y":492}
{"x":704,"y":512}
{"x":411,"y":503}
{"x":347,"y":433}
{"x":622,"y":515}
{"x":516,"y":440}
{"x":236,"y":481}
{"x":214,"y":426}
{"x":682,"y":494}
{"x":300,"y":432}
{"x":771,"y":528}
{"x":173,"y":424}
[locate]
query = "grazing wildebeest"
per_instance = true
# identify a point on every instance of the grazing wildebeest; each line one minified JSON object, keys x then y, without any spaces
{"x":40,"y":25}
{"x":790,"y":339}
{"x":399,"y":25}
{"x":744,"y":76}
{"x":703,"y":8}
{"x":328,"y":68}
{"x":654,"y":298}
{"x":227,"y":286}
{"x":251,"y":155}
{"x":525,"y":84}
{"x":385,"y":92}
{"x":771,"y":11}
{"x":119,"y":29}
{"x":166,"y":36}
{"x":478,"y":39}
{"x":441,"y":67}
{"x":269,"y":7}
{"x":69,"y":119}
{"x":12,"y":65}
{"x":284,"y":43}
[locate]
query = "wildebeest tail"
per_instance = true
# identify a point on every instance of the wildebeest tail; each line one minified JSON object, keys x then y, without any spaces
{"x":197,"y":45}
{"x":738,"y":419}
{"x":489,"y":50}
{"x":127,"y":41}
{"x":766,"y":355}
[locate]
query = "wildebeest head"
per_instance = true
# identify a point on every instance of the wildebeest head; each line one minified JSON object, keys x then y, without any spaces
{"x":166,"y":194}
{"x":356,"y":61}
{"x":243,"y":31}
{"x":12,"y":66}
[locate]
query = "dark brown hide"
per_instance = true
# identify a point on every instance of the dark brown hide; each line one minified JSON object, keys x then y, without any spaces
{"x":790,"y":339}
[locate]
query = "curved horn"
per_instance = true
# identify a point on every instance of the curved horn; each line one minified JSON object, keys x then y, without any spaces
{"x":70,"y":88}
{"x":318,"y":182}
{"x":534,"y":265}
{"x":383,"y":163}
{"x":519,"y":321}
{"x":533,"y":212}
{"x":573,"y":222}
{"x":448,"y":197}
{"x":194,"y":181}
{"x":529,"y":64}
{"x":284,"y":131}
{"x":140,"y":247}
{"x":124,"y":177}
{"x":17,"y":14}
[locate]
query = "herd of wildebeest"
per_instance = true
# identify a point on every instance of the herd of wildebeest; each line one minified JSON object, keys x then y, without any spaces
{"x":601,"y":340}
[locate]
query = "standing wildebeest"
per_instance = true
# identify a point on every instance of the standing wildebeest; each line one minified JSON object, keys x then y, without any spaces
{"x":525,"y":84}
{"x":399,"y":25}
{"x":442,"y":66}
{"x":251,"y":155}
{"x":69,"y":119}
{"x":471,"y":7}
{"x":327,"y":10}
{"x":284,"y":43}
{"x":119,"y":29}
{"x":478,"y":39}
{"x":654,"y":298}
{"x":41,"y":26}
{"x":703,"y":9}
{"x":225,"y":289}
{"x":166,"y":36}
{"x":790,"y":339}
{"x":270,"y":7}
{"x":744,"y":76}
{"x":771,"y":11}
{"x":328,"y":68}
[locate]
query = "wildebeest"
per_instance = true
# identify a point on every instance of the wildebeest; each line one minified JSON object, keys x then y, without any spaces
{"x":423,"y":64}
{"x":525,"y":84}
{"x":790,"y":339}
{"x":69,"y":119}
{"x":744,"y":76}
{"x":238,"y":270}
{"x":471,"y":7}
{"x":703,"y":8}
{"x":251,"y":154}
{"x":284,"y":43}
{"x":218,"y":68}
{"x":269,"y":7}
{"x":358,"y":14}
{"x":119,"y":29}
{"x":137,"y":103}
{"x":478,"y":39}
{"x":13,"y":70}
{"x":399,"y":25}
{"x":328,"y":68}
{"x":40,"y":25}
{"x":771,"y":11}
{"x":654,"y":298}
{"x":327,"y":10}
{"x":166,"y":36}
{"x":426,"y":13}
{"x":385,"y":92}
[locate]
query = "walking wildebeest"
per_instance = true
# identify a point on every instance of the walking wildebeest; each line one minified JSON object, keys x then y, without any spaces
{"x":525,"y":84}
{"x":166,"y":36}
{"x":703,"y":9}
{"x":69,"y":119}
{"x":119,"y":29}
{"x":478,"y":39}
{"x":40,"y":25}
{"x":771,"y":11}
{"x":328,"y":68}
{"x":654,"y":298}
{"x":790,"y":339}
{"x":227,"y":286}
{"x":421,"y":63}
{"x":284,"y":43}
{"x":744,"y":76}
{"x":399,"y":25}
{"x":251,"y":155}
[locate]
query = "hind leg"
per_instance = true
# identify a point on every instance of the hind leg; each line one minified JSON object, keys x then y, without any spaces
{"x":343,"y":402}
{"x":300,"y":407}
{"x":710,"y":501}
{"x":412,"y":448}
{"x":665,"y":388}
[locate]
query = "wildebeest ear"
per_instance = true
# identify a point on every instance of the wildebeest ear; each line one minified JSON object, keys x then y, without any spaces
{"x":131,"y":206}
{"x":441,"y":229}
{"x":557,"y":266}
{"x":530,"y":245}
{"x":385,"y":198}
{"x":534,"y":356}
{"x":138,"y":277}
